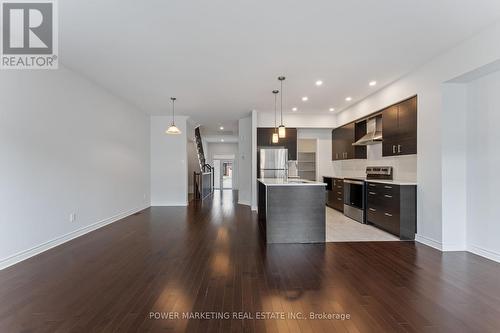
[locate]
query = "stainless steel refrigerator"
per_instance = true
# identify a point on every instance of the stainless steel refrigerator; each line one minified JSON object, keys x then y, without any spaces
{"x":273,"y":163}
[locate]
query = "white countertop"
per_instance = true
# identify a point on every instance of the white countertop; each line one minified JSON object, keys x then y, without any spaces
{"x":289,"y":182}
{"x":381,"y":181}
{"x":394,"y":182}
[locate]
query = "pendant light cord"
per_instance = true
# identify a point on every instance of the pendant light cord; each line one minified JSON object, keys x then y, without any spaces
{"x":173,"y":110}
{"x":281,"y":103}
{"x":275,"y":92}
{"x":281,"y":79}
{"x":275,"y":103}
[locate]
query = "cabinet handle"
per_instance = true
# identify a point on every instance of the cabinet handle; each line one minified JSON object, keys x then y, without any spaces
{"x":339,"y":199}
{"x":372,"y":193}
{"x":399,"y":148}
{"x":387,"y":214}
{"x":373,"y":210}
{"x":388,"y":196}
{"x":387,"y":186}
{"x":394,"y":149}
{"x":339,"y":192}
{"x":372,"y":185}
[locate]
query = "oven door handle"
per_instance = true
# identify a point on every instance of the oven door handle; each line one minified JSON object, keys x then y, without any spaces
{"x":356,"y":182}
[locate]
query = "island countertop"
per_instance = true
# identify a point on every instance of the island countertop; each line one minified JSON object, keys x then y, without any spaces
{"x":289,"y":182}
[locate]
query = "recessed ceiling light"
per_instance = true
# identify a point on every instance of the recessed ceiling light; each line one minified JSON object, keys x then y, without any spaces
{"x":372,"y":83}
{"x":332,"y":109}
{"x":305,"y":99}
{"x":221,"y":128}
{"x":319,"y":83}
{"x":348,"y":99}
{"x":294,"y":109}
{"x":221,"y":140}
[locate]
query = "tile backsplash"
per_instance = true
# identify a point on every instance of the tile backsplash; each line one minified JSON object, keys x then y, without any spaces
{"x":405,"y":167}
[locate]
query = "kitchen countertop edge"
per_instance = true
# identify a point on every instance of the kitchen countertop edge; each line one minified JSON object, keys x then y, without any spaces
{"x":380,"y":181}
{"x":281,"y":182}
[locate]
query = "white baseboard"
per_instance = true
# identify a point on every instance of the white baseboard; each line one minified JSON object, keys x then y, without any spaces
{"x":169,"y":204}
{"x":453,"y":247}
{"x":23,"y":255}
{"x":429,"y":242}
{"x":242,"y":202}
{"x":480,"y":251}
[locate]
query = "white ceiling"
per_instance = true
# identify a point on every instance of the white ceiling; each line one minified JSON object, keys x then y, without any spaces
{"x":221,"y":58}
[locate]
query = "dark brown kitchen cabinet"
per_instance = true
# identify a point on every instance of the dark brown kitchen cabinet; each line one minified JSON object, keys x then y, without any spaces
{"x":264,"y":139}
{"x":392,"y":208}
{"x":399,"y":128}
{"x":337,"y":146}
{"x":334,"y":193}
{"x":342,"y":139}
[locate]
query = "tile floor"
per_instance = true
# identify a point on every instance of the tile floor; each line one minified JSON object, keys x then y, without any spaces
{"x":340,"y":228}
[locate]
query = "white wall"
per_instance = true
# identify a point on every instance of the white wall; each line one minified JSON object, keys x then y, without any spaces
{"x":217,"y":180}
{"x":214,"y":148}
{"x":255,"y":120}
{"x":483,"y":160}
{"x":298,"y":120}
{"x":426,"y":81}
{"x":169,"y":178}
{"x":67,"y":146}
{"x":245,"y":161}
{"x":453,"y":171}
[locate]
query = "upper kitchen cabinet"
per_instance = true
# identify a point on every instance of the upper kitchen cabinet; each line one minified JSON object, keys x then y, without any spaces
{"x":399,"y":127}
{"x":264,"y":139}
{"x":343,"y":138}
{"x":337,"y":147}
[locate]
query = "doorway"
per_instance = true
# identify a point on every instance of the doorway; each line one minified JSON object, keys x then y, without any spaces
{"x":227,"y":174}
{"x":224,"y":173}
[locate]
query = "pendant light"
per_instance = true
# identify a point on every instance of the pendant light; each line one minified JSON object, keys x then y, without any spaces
{"x":173,"y":129}
{"x":275,"y":134}
{"x":281,"y":128}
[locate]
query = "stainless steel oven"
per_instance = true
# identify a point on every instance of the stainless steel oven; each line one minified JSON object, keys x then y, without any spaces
{"x":354,"y":199}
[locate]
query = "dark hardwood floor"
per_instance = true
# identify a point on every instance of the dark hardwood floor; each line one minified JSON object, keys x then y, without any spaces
{"x":209,"y":257}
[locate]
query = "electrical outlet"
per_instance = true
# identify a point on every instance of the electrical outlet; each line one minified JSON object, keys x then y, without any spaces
{"x":72,"y":217}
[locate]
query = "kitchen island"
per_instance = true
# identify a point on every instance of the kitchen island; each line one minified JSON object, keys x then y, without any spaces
{"x":292,"y":210}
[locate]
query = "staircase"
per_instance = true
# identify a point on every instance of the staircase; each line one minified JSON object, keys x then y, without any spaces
{"x":199,"y":149}
{"x":204,"y":180}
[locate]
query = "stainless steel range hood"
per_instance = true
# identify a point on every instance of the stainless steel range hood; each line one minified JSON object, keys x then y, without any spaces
{"x":374,"y":132}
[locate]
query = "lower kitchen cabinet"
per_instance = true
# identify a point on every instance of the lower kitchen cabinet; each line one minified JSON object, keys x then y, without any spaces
{"x":334,"y":193}
{"x":393,"y":208}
